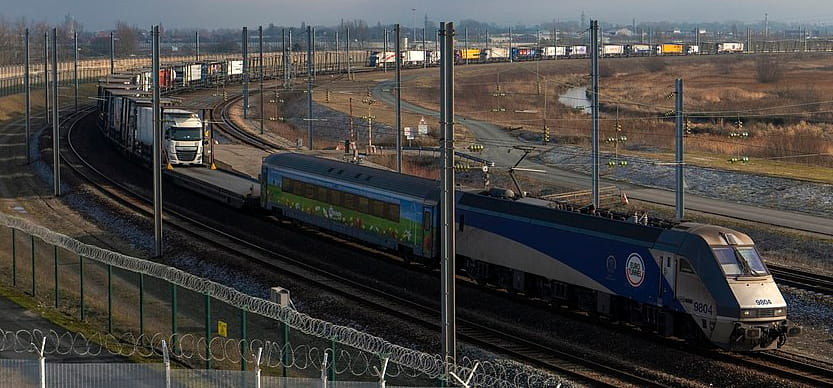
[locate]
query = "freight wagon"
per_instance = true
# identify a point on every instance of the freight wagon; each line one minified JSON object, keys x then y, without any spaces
{"x":729,"y":48}
{"x":613,"y":50}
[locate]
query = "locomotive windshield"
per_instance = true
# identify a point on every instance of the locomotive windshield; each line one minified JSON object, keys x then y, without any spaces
{"x":741,"y":261}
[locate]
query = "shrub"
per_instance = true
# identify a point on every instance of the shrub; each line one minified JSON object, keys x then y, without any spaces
{"x":768,"y":69}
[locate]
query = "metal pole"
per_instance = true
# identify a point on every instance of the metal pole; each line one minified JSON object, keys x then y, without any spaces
{"x":197,"y":46}
{"x":173,"y":316}
{"x":14,"y":259}
{"x":510,"y":44}
{"x":56,"y":135}
{"x":112,"y":53}
{"x":157,"y":148}
{"x":55,"y":273}
{"x":309,"y":87}
{"x":594,"y":72}
{"x":398,"y":100}
{"x":46,"y":76}
{"x":449,"y":342}
{"x":338,"y":56}
{"x":260,"y":45}
{"x":284,"y":56}
{"x":81,"y":285}
{"x":244,"y":335}
{"x":466,"y":43}
{"x":109,"y":298}
{"x":207,"y":304}
{"x":679,"y":149}
{"x":28,"y":88}
{"x":75,"y":67}
{"x":312,"y":56}
{"x":385,"y":53}
{"x":32,"y":251}
{"x":285,"y":348}
{"x":424,"y":53}
{"x":141,"y":304}
{"x":347,"y":32}
{"x":245,"y":72}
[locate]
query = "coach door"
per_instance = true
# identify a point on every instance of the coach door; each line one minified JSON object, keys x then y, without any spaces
{"x":428,"y":230}
{"x":668,"y":282}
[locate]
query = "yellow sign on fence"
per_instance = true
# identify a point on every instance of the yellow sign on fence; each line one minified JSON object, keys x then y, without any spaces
{"x":222,"y":329}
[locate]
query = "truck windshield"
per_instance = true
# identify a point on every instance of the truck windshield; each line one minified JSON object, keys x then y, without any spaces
{"x":185,"y":134}
{"x":743,"y":261}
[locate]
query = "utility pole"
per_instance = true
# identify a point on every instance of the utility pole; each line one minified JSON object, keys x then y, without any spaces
{"x":347,"y":34}
{"x":369,"y":101}
{"x":385,"y":53}
{"x":28,"y":87}
{"x":245,"y":47}
{"x":594,"y":72}
{"x":679,"y":149}
{"x":309,"y":86}
{"x":351,"y":140}
{"x":398,"y":101}
{"x":75,"y":66}
{"x":260,"y":45}
{"x":448,"y":252}
{"x":510,"y":44}
{"x":157,"y":148}
{"x":56,"y":135}
{"x":413,"y":26}
{"x":312,"y":55}
{"x":284,"y":56}
{"x":424,"y":53}
{"x":112,"y":53}
{"x":466,"y":43}
{"x":197,"y":46}
{"x":46,"y":76}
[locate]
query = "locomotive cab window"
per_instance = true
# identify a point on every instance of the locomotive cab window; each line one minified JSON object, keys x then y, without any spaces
{"x":685,"y":266}
{"x":742,"y":261}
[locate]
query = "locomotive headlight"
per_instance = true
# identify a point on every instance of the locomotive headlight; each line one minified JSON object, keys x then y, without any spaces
{"x":747,"y":313}
{"x":780,"y":312}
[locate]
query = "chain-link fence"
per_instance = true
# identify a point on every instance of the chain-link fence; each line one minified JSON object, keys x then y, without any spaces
{"x":131,"y":307}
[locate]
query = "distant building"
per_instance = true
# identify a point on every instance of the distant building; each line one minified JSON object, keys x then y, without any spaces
{"x":626,"y":32}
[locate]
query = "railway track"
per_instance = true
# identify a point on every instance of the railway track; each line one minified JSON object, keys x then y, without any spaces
{"x":577,"y":368}
{"x":809,"y":281}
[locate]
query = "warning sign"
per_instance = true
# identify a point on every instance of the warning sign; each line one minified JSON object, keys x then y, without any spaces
{"x":422,"y":128}
{"x":222,"y":329}
{"x":408,"y":133}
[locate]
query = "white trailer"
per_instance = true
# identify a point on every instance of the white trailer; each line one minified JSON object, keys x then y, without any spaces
{"x":613,"y":50}
{"x":560,"y":51}
{"x":693,"y":49}
{"x":578,"y":50}
{"x":235,"y":67}
{"x":497,"y":54}
{"x":413,"y":57}
{"x":730,"y":47}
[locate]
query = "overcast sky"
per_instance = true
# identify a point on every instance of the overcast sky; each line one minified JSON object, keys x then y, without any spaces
{"x":102,"y":14}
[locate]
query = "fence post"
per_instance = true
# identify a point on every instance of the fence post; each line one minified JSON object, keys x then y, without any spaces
{"x":55,"y":264}
{"x":141,"y":304}
{"x":42,"y":361}
{"x":167,"y":361}
{"x":324,"y":371}
{"x":333,"y":364}
{"x":285,"y":352}
{"x":81,"y":282}
{"x":32,"y":244}
{"x":244,"y":338}
{"x":207,"y":332}
{"x":257,"y":368}
{"x":14,"y":260}
{"x":173,"y":317}
{"x":109,"y":298}
{"x":382,"y":372}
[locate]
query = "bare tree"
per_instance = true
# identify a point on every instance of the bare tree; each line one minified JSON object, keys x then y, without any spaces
{"x":126,"y":39}
{"x":768,"y":69}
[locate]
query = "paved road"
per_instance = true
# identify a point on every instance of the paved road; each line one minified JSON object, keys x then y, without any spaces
{"x":490,"y":134}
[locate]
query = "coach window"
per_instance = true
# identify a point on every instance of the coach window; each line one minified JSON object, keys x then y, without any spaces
{"x":426,"y":220}
{"x":363,"y":205}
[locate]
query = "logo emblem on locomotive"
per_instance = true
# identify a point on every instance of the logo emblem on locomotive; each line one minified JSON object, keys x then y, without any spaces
{"x":635,"y":270}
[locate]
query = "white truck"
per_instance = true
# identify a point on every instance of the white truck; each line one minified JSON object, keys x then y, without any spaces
{"x":413,"y":57}
{"x":730,"y":47}
{"x":182,"y":134}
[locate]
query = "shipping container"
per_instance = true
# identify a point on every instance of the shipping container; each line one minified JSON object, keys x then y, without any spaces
{"x":639,"y":49}
{"x":669,"y":49}
{"x":497,"y":54}
{"x":413,"y":57}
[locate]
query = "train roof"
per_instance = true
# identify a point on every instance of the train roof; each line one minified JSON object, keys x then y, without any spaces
{"x":536,"y":209}
{"x":353,"y":173}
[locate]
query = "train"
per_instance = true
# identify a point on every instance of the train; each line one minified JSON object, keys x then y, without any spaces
{"x":503,"y":54}
{"x":705,"y":283}
{"x":689,"y":280}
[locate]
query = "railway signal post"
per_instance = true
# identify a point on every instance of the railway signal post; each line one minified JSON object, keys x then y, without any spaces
{"x":28,"y":87}
{"x":56,"y":136}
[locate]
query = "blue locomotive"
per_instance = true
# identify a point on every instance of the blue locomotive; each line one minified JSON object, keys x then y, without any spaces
{"x":690,"y":280}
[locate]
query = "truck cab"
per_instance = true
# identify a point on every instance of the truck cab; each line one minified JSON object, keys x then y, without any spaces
{"x":183,"y":135}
